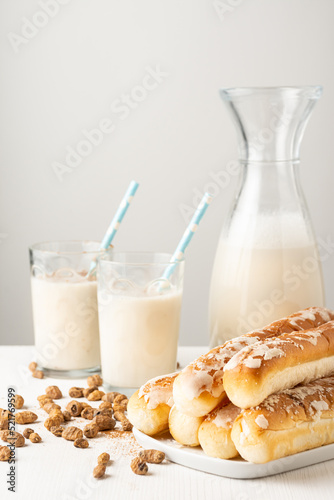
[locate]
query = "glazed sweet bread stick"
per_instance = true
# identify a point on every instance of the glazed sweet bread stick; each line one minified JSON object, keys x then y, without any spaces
{"x":184,"y":428}
{"x":281,"y":363}
{"x":292,"y":421}
{"x":149,"y":407}
{"x":214,"y":434}
{"x":198,"y":389}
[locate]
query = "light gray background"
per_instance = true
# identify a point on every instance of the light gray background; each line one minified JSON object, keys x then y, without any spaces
{"x":64,"y":80}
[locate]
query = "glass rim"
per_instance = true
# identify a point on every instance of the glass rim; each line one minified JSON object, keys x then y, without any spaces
{"x":36,"y":247}
{"x":116,"y":255}
{"x":310,"y":91}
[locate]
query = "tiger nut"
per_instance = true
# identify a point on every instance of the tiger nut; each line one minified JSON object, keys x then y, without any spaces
{"x":14,"y":438}
{"x":52,"y":422}
{"x":35,"y":438}
{"x":57,"y":430}
{"x":25,"y":417}
{"x":54,"y":392}
{"x":152,"y":456}
{"x":19,"y":402}
{"x":48,"y":407}
{"x":27,"y":432}
{"x":75,"y":408}
{"x":32,"y":366}
{"x":99,"y":471}
{"x":91,"y":430}
{"x":104,"y":422}
{"x":110,"y":396}
{"x":94,"y":380}
{"x":95,"y":396}
{"x":87,"y":391}
{"x":67,"y":416}
{"x":44,"y":399}
{"x":3,"y":423}
{"x":119,"y":398}
{"x":4,"y":453}
{"x":76,"y":392}
{"x":103,"y":459}
{"x":88,"y":413}
{"x":105,"y":404}
{"x":138,"y":466}
{"x":81,"y":443}
{"x":72,"y":433}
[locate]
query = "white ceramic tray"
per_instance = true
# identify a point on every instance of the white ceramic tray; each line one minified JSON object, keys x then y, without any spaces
{"x":237,"y":468}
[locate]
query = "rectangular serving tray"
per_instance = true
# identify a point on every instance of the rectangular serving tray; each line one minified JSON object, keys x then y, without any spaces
{"x":236,"y":468}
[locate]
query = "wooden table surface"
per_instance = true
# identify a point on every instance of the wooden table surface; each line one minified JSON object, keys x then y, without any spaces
{"x":55,"y":469}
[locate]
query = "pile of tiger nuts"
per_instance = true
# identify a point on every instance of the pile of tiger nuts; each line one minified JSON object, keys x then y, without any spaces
{"x":112,"y":408}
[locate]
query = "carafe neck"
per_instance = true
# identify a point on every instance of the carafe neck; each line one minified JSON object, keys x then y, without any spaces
{"x":270,"y":122}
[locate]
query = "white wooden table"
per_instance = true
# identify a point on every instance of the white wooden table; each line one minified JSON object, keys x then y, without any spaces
{"x":55,"y":469}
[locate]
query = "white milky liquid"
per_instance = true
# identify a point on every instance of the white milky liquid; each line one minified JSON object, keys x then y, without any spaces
{"x":66,"y":323}
{"x":261,"y":278}
{"x":139,"y":337}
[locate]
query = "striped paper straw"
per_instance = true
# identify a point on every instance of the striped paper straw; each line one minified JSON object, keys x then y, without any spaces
{"x":188,"y":234}
{"x":118,"y":217}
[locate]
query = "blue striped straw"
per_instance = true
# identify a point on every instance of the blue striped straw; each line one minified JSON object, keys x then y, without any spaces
{"x":118,"y":217}
{"x":188,"y":234}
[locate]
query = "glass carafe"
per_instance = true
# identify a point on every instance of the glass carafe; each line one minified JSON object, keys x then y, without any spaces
{"x":267,"y":264}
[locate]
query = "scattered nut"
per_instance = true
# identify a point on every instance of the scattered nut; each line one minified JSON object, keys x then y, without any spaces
{"x":119,"y":398}
{"x":48,"y":407}
{"x":76,"y":392}
{"x":103,"y":459}
{"x":95,"y":396}
{"x":32,"y":366}
{"x":3,"y":423}
{"x":126,"y":424}
{"x":91,"y":430}
{"x":88,"y":413}
{"x":19,"y":402}
{"x":38,"y":374}
{"x":67,"y":416}
{"x":52,"y":422}
{"x":103,"y":411}
{"x":35,"y":438}
{"x":119,"y":415}
{"x":6,"y":414}
{"x":94,"y":380}
{"x":124,"y":403}
{"x":27,"y":432}
{"x":110,"y":396}
{"x":57,"y":413}
{"x":57,"y":430}
{"x":75,"y":408}
{"x":13,"y":437}
{"x":105,"y":404}
{"x":81,"y":443}
{"x":25,"y":417}
{"x":72,"y":433}
{"x":54,"y":392}
{"x":87,"y":391}
{"x":44,"y":399}
{"x":99,"y":471}
{"x":120,"y":406}
{"x":104,"y":422}
{"x":138,"y":466}
{"x":4,"y":453}
{"x":85,"y":405}
{"x":152,"y":456}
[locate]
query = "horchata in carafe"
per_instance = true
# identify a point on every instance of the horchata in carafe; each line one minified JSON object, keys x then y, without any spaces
{"x":267,"y":264}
